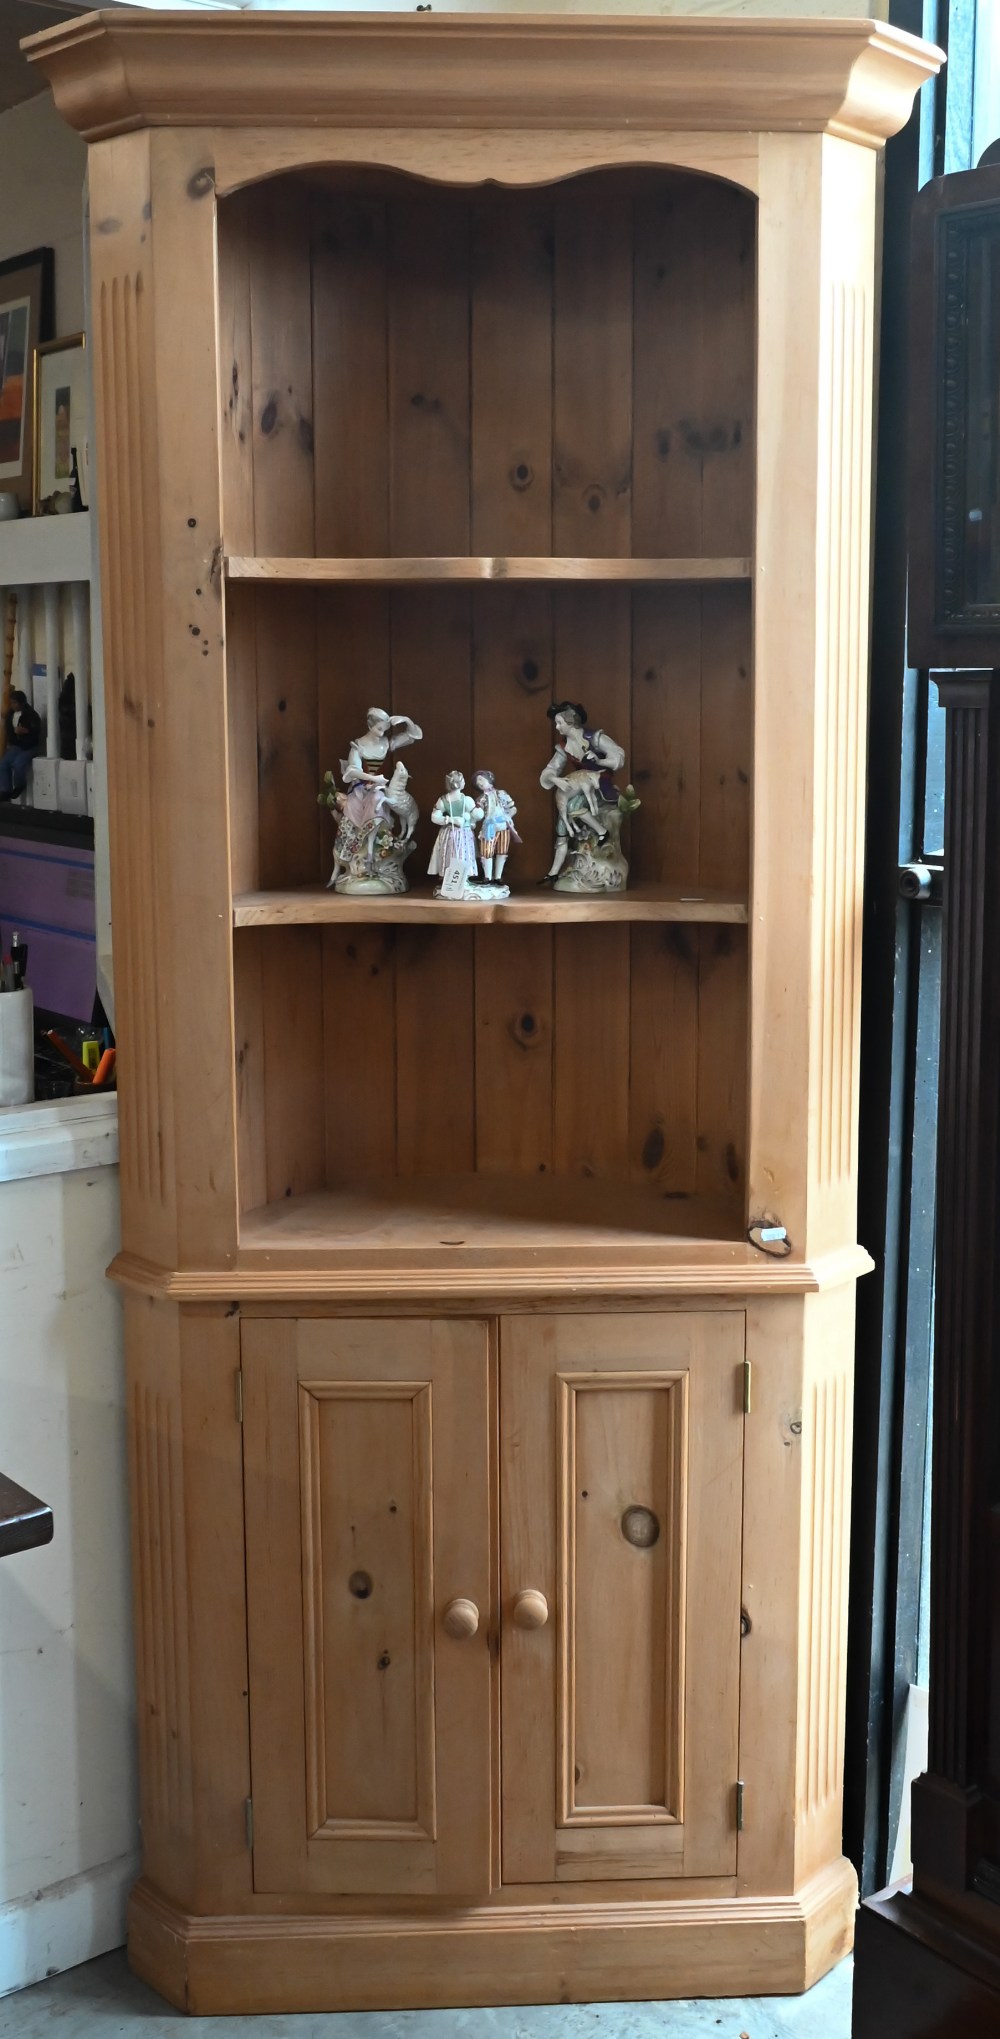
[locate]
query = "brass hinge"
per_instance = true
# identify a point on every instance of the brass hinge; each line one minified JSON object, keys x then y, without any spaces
{"x":248,"y":1821}
{"x":239,"y":1394}
{"x":739,"y":1805}
{"x":747,"y":1381}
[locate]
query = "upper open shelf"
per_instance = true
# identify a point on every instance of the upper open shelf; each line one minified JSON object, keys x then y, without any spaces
{"x":398,"y":572}
{"x":487,"y":451}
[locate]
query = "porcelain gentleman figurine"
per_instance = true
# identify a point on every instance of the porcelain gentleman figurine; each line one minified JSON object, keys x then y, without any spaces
{"x":453,"y":858}
{"x":496,"y":830}
{"x":376,"y":816}
{"x":589,"y":808}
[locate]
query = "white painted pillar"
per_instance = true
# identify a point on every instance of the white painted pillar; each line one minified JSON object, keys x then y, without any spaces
{"x":25,"y":644}
{"x":52,"y":669}
{"x":79,"y":651}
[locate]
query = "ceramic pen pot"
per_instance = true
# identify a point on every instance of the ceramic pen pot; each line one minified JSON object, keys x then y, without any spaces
{"x":17,"y":1047}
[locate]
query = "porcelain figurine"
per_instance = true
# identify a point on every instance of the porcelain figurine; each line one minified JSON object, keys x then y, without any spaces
{"x":376,"y":816}
{"x":589,"y":807}
{"x":496,"y":830}
{"x":453,"y":858}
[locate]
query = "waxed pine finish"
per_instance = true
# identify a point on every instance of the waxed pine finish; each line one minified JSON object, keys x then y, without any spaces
{"x":489,"y":1481}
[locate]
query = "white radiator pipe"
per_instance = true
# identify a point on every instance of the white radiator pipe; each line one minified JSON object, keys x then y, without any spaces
{"x":25,"y":645}
{"x":51,"y":669}
{"x":80,"y":653}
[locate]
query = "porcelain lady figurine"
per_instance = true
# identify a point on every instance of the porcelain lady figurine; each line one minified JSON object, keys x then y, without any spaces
{"x":453,"y":858}
{"x":589,"y":808}
{"x":376,"y":816}
{"x":496,"y":830}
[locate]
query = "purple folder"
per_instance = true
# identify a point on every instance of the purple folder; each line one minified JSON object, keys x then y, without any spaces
{"x":47,"y":894}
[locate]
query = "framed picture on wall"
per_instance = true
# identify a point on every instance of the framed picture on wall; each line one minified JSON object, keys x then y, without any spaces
{"x":26,"y":283}
{"x":62,"y":421}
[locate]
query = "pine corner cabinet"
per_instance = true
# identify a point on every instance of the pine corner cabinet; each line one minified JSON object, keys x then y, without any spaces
{"x":490,"y":1472}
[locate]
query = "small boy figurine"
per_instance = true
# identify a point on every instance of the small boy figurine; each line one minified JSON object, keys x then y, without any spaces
{"x":497,"y":830}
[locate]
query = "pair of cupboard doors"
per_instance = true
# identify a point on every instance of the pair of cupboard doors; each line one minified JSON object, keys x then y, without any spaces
{"x":494,"y":1600}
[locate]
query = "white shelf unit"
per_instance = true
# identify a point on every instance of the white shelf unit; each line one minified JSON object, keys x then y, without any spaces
{"x":53,"y":553}
{"x":40,"y":551}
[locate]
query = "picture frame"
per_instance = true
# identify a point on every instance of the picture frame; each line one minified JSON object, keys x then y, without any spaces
{"x":26,"y":316}
{"x":62,"y":420}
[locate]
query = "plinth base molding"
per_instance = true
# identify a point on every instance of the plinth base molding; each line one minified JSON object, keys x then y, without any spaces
{"x":516,"y":1954}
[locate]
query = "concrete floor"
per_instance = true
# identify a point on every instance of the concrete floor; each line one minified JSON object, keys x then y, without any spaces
{"x":102,"y":2000}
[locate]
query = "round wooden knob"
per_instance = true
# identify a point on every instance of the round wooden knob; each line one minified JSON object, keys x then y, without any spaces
{"x":530,"y":1609}
{"x":460,"y":1619}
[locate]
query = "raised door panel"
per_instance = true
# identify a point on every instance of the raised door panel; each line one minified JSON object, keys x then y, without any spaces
{"x":621,"y":1503}
{"x":366,"y":1449}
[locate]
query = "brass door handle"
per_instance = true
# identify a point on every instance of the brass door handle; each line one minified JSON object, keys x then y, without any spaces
{"x":460,"y":1619}
{"x":530,"y":1609}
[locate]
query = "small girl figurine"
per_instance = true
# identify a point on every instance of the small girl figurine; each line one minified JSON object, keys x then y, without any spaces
{"x":454,"y":815}
{"x":497,"y":830}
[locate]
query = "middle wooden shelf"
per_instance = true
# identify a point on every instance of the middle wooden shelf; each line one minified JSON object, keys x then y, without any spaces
{"x":401,"y":571}
{"x":311,"y":905}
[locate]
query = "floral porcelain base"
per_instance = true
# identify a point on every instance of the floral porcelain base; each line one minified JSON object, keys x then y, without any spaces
{"x":596,"y":866}
{"x":372,"y":888}
{"x":470,"y":890}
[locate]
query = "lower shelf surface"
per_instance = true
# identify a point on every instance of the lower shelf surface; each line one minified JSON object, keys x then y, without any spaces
{"x":497,"y":1218}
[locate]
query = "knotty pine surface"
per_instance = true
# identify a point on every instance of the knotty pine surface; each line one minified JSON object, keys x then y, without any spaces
{"x":102,"y":1997}
{"x":590,"y":1052}
{"x":423,"y":372}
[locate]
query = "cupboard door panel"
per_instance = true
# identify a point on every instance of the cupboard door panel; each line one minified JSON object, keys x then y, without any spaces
{"x":622,"y":1630}
{"x":365,"y":1464}
{"x":621,"y":1500}
{"x":366,"y":1453}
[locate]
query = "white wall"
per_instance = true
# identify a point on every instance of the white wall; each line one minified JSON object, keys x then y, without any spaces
{"x":42,"y":166}
{"x":68,"y":1803}
{"x":68,"y":1819}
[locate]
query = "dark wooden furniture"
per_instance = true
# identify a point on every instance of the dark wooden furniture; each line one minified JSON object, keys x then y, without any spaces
{"x":25,"y":1521}
{"x":928,"y":1961}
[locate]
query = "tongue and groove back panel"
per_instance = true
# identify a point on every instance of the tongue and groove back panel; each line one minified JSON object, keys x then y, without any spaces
{"x":422,"y":371}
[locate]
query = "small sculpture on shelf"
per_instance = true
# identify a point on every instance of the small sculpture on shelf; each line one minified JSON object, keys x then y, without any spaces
{"x":376,"y":816}
{"x":496,"y":829}
{"x":453,"y":858}
{"x":589,"y":807}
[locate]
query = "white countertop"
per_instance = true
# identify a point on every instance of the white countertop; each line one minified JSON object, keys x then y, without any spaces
{"x":52,"y":1138}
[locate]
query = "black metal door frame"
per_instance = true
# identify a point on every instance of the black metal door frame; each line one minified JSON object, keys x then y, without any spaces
{"x":899,"y":1039}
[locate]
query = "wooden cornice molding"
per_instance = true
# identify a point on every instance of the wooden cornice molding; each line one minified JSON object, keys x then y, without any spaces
{"x":111,"y":72}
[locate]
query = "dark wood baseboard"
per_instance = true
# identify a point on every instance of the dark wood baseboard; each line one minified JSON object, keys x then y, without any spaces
{"x":918,"y":1975}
